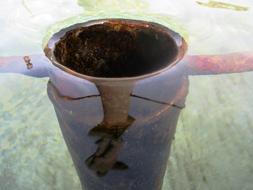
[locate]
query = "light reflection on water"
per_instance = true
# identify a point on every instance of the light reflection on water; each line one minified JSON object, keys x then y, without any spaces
{"x":212,"y":149}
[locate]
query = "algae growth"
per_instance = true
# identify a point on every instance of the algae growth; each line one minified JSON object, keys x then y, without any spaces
{"x":222,"y":5}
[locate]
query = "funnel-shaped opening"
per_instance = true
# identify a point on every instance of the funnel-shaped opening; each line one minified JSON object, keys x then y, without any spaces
{"x":117,"y":48}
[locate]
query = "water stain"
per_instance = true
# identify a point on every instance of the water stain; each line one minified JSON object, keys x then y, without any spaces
{"x":222,"y":5}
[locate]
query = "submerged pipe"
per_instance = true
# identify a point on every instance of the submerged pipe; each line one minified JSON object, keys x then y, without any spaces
{"x":117,"y":90}
{"x":118,"y":141}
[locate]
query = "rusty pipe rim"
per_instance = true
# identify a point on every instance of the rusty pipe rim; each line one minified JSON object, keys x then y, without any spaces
{"x":179,"y":41}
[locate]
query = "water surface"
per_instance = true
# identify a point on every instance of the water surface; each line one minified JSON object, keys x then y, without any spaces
{"x":213,"y":144}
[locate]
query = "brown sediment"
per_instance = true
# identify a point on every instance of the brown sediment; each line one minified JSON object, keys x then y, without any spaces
{"x":115,"y":49}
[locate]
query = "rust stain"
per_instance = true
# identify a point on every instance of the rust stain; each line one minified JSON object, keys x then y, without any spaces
{"x":219,"y":64}
{"x":28,"y":62}
{"x":222,"y":5}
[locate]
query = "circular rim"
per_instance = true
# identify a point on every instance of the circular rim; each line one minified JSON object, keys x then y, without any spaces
{"x":179,"y":41}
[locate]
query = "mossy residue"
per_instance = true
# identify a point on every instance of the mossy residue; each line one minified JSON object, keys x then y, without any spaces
{"x":222,"y":5}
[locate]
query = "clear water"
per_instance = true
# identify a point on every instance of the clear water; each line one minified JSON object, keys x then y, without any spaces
{"x":213,"y":145}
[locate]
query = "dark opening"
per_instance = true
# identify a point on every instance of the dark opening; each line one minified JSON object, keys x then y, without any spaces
{"x":115,"y":50}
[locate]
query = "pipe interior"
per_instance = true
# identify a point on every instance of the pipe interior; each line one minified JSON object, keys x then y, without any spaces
{"x":116,"y":50}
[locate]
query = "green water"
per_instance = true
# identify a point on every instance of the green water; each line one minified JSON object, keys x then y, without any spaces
{"x":213,"y":144}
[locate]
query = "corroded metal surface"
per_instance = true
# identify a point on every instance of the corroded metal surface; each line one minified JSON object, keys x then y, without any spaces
{"x":219,"y":64}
